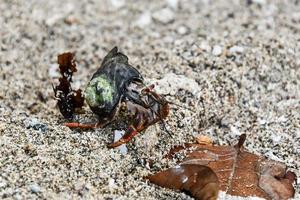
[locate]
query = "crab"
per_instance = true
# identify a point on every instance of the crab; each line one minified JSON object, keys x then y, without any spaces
{"x":117,"y":91}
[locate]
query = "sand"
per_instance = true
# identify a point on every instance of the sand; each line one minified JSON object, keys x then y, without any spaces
{"x":232,"y":66}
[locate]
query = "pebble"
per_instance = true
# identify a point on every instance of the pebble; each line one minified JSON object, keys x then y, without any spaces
{"x":182,"y":30}
{"x":35,"y":188}
{"x":173,"y":4}
{"x":260,"y":2}
{"x":117,"y":3}
{"x":276,"y":138}
{"x":53,"y":19}
{"x":35,"y":124}
{"x":71,"y":19}
{"x":52,"y":71}
{"x":217,"y":50}
{"x":235,"y":131}
{"x":3,"y":184}
{"x":18,"y":197}
{"x":171,"y":83}
{"x":236,"y":49}
{"x":117,"y":135}
{"x":112,"y":183}
{"x":164,"y":16}
{"x":205,"y":46}
{"x":144,"y":20}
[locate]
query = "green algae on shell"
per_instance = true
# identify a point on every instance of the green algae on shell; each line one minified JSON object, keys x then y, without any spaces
{"x":99,"y":91}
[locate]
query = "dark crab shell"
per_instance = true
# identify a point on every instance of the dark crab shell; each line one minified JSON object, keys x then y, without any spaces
{"x":109,"y":84}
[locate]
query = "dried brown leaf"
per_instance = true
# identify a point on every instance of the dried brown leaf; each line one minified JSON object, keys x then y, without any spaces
{"x":67,"y":99}
{"x":197,"y":180}
{"x":241,"y":173}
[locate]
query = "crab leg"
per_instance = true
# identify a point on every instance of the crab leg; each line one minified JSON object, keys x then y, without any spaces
{"x":131,"y":132}
{"x":86,"y":126}
{"x":79,"y":125}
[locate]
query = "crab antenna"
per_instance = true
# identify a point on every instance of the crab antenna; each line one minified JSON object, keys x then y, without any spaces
{"x":160,"y":118}
{"x":165,"y":127}
{"x":163,"y":122}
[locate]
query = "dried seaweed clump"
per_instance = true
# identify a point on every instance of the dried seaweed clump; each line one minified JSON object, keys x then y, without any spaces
{"x":67,"y":98}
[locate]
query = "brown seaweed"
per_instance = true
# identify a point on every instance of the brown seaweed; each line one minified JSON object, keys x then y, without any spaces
{"x":67,"y":98}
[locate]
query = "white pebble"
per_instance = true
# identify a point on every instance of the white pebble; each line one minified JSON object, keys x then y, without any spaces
{"x":34,"y":188}
{"x":260,"y":2}
{"x":236,"y":49}
{"x":53,"y":19}
{"x":52,"y":71}
{"x":117,"y":135}
{"x":276,"y":138}
{"x":235,"y":131}
{"x":173,"y":4}
{"x":217,"y":50}
{"x":182,"y":30}
{"x":144,"y":20}
{"x":164,"y":16}
{"x":205,"y":46}
{"x":111,"y":183}
{"x":171,"y":83}
{"x":3,"y":184}
{"x":117,"y":3}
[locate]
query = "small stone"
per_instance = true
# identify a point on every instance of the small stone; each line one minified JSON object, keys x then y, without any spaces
{"x":164,"y":16}
{"x":35,"y":124}
{"x":117,"y":3}
{"x":144,"y":20}
{"x":71,"y":19}
{"x":3,"y":184}
{"x":236,"y":49}
{"x":52,"y":71}
{"x":205,"y":46}
{"x":111,"y":183}
{"x":18,"y":197}
{"x":79,"y":185}
{"x":260,"y":2}
{"x":276,"y":138}
{"x":117,"y":135}
{"x":53,"y":19}
{"x":217,"y":50}
{"x":35,"y":188}
{"x":171,"y":83}
{"x":30,"y":150}
{"x":182,"y":30}
{"x":235,"y":131}
{"x":173,"y":4}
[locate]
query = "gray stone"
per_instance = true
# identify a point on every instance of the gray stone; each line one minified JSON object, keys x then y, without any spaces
{"x":164,"y":16}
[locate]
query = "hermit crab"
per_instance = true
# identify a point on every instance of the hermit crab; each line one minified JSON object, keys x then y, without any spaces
{"x":115,"y":91}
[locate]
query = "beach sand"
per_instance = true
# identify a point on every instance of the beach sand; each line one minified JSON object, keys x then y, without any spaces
{"x":233,"y":67}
